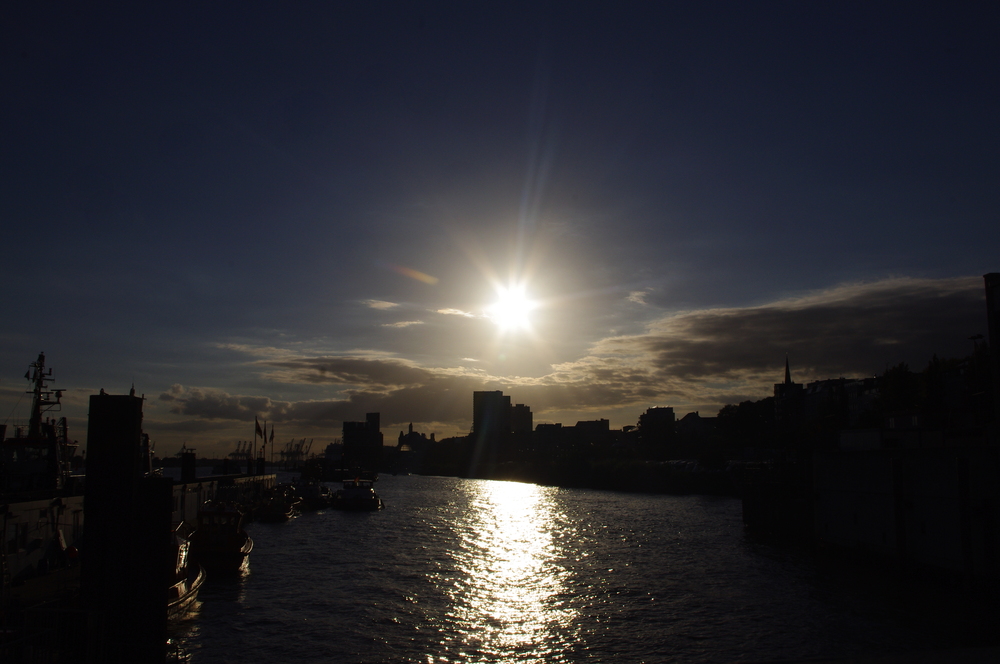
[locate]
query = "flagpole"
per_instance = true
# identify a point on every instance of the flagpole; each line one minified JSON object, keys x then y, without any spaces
{"x":253,"y":452}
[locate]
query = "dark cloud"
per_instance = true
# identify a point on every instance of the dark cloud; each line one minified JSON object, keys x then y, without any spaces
{"x":186,"y":426}
{"x":370,"y":372}
{"x":696,"y":359}
{"x":705,"y":359}
{"x":212,"y":404}
{"x":712,"y":356}
{"x":427,"y":397}
{"x":850,"y":330}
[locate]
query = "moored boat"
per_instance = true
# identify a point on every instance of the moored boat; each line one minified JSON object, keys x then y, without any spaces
{"x":281,"y":504}
{"x":187,"y":576}
{"x":357,"y":495}
{"x":219,"y":542}
{"x":314,"y":495}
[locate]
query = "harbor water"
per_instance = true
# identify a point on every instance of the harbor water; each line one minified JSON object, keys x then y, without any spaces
{"x":458,"y":570}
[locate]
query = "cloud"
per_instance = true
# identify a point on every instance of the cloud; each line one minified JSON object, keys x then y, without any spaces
{"x":376,"y":373}
{"x":852,"y":329}
{"x":639,"y":297}
{"x":404,"y":323}
{"x":719,"y":355}
{"x":412,"y":274}
{"x":213,"y":404}
{"x":429,"y":396}
{"x":455,"y":312}
{"x":259,"y":351}
{"x":380,"y":304}
{"x":694,"y":359}
{"x":186,"y":426}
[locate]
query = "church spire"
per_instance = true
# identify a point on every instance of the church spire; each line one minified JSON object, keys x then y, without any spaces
{"x":788,"y":372}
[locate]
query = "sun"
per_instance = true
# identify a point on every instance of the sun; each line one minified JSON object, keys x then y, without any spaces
{"x":512,"y":310}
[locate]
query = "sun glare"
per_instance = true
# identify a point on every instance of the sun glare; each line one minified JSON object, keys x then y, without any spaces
{"x":512,"y":310}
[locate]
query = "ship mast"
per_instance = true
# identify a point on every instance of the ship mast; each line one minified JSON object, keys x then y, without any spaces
{"x":43,"y":399}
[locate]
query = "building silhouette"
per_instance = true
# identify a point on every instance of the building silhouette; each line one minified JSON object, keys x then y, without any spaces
{"x":491,"y":414}
{"x":501,"y":432}
{"x":520,"y":419}
{"x":363,"y":443}
{"x":656,"y":425}
{"x":992,"y":281}
{"x":787,"y":401}
{"x":409,"y":451}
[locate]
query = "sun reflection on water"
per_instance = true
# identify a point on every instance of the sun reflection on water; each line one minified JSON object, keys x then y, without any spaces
{"x":508,"y":592}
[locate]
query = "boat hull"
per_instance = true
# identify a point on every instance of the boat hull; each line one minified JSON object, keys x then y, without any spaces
{"x":182,"y":595}
{"x":222,"y":559}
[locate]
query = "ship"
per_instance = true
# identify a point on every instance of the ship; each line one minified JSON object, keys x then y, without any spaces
{"x":219,"y":542}
{"x":41,"y":501}
{"x":357,"y":495}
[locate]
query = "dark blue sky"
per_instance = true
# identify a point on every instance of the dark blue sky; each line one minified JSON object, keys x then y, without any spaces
{"x":220,"y":202}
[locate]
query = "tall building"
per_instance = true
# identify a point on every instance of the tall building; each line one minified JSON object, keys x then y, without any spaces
{"x":363,"y":443}
{"x":491,"y":414}
{"x":520,"y":419}
{"x":499,"y":431}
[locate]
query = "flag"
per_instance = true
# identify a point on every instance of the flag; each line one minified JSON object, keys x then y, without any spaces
{"x":257,"y":424}
{"x":272,"y":434}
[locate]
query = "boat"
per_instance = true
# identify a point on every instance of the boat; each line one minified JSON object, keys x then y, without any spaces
{"x":313,"y":495}
{"x":275,"y":510}
{"x":357,"y":495}
{"x":219,"y":542}
{"x":186,"y":576}
{"x":41,"y":501}
{"x":280,"y":504}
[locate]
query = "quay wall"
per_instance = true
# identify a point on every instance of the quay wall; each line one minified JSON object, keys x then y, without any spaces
{"x":934,"y":508}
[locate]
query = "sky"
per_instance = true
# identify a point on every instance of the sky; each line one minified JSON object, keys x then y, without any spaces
{"x":307,"y":213}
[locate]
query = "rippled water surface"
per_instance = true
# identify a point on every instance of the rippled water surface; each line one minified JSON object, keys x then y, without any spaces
{"x":479,"y":571}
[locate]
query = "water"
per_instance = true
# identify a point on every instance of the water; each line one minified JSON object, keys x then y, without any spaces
{"x":479,"y":571}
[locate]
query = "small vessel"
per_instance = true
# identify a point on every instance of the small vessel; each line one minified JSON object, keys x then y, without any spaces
{"x":314,"y":495}
{"x":275,"y":510}
{"x":357,"y":495}
{"x":279,"y":506}
{"x":219,"y":542}
{"x":186,"y":576}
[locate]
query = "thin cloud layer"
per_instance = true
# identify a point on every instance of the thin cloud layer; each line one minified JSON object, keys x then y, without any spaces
{"x":456,"y":312}
{"x":638,"y":297}
{"x":381,"y":304}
